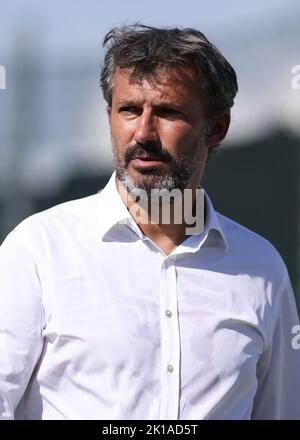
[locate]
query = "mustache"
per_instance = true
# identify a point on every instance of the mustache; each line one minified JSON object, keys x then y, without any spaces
{"x":147,"y":148}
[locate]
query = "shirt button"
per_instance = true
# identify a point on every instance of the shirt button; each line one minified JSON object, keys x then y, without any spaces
{"x":168,"y":313}
{"x":170,"y":368}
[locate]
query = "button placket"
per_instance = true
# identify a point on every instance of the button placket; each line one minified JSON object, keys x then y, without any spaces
{"x":170,"y":341}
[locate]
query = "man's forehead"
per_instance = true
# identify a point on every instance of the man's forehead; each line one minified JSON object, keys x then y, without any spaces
{"x":175,"y":81}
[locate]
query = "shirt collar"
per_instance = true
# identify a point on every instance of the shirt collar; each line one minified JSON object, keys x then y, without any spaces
{"x":111,"y":211}
{"x":212,"y":222}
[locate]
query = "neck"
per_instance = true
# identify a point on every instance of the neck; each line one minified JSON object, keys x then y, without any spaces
{"x":166,"y":221}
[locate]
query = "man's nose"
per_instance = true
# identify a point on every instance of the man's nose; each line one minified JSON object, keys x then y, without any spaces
{"x":146,"y":129}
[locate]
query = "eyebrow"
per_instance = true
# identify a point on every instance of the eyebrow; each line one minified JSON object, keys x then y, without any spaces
{"x":127,"y":103}
{"x":167,"y":104}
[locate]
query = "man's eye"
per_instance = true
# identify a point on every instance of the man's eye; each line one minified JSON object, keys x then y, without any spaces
{"x":129,"y":109}
{"x":168,"y":112}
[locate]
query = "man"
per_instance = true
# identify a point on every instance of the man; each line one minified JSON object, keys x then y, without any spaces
{"x":106,"y":314}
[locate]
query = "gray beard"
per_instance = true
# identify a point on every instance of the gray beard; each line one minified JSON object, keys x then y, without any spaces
{"x":163,"y":184}
{"x":180,"y":176}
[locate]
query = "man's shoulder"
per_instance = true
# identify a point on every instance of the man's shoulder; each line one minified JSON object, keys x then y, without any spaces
{"x":58,"y":220}
{"x":241,"y":237}
{"x":251,"y":250}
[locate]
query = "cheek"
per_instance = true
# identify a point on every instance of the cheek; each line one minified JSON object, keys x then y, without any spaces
{"x":121,"y":132}
{"x":179,"y":136}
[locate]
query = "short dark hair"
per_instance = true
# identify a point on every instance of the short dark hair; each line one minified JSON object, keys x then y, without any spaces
{"x":148,"y":50}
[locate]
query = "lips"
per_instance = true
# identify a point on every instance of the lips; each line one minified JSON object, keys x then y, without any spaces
{"x":148,"y":158}
{"x":146,"y":161}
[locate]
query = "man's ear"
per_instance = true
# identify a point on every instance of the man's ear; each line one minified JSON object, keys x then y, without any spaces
{"x":218,"y":129}
{"x":108,"y":110}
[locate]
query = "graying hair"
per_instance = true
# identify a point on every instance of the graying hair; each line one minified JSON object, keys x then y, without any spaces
{"x":150,"y":50}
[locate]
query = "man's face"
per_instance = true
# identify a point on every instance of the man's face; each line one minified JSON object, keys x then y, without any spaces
{"x":158,"y":131}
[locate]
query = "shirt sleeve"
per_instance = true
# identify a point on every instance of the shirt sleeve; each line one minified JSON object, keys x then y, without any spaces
{"x":21,"y":322}
{"x":278,"y":393}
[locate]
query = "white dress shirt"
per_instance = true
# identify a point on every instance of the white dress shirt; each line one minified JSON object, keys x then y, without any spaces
{"x":96,"y":322}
